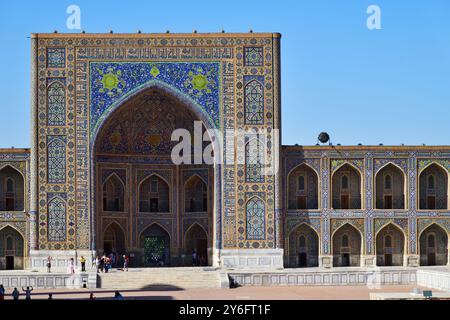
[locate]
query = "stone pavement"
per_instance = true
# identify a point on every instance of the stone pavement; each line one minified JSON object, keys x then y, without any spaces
{"x":241,"y":293}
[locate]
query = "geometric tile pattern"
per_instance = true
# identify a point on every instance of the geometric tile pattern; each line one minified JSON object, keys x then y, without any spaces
{"x":56,"y":104}
{"x":255,"y":219}
{"x":56,"y":220}
{"x":56,"y":57}
{"x":18,"y":159}
{"x":254,"y":101}
{"x":369,"y":161}
{"x":253,"y":56}
{"x":56,"y":166}
{"x":254,"y":161}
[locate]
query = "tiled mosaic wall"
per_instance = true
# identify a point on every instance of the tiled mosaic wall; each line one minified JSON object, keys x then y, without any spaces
{"x":16,"y":163}
{"x":369,"y":162}
{"x":78,"y":80}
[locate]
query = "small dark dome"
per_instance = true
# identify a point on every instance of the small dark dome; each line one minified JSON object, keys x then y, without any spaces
{"x":324,"y":137}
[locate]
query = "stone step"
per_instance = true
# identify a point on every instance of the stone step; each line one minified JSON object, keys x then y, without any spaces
{"x":164,"y":277}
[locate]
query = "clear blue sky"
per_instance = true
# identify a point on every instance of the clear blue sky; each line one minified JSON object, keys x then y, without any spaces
{"x":388,"y":86}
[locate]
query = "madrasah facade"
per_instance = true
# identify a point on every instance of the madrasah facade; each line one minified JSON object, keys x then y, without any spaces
{"x":99,"y":177}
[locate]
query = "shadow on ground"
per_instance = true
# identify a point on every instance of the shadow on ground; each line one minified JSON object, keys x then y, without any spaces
{"x":160,"y":287}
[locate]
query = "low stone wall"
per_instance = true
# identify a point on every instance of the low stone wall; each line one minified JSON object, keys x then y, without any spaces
{"x":60,"y":260}
{"x":438,"y":279}
{"x":251,"y":259}
{"x":435,"y":279}
{"x":323,"y":277}
{"x":47,"y":281}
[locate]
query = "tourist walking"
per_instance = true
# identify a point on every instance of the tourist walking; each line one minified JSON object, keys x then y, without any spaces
{"x":112,"y":259}
{"x":107,"y":264}
{"x":194,"y":257}
{"x":91,"y":296}
{"x":50,"y":296}
{"x":27,"y":292}
{"x":102,"y":263}
{"x":15,"y":294}
{"x":2,"y":293}
{"x":83,"y":264}
{"x":49,"y":264}
{"x":72,"y":266}
{"x":96,"y":263}
{"x":126,"y":261}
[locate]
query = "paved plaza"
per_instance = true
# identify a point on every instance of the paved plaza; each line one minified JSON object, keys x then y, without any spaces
{"x":241,"y":293}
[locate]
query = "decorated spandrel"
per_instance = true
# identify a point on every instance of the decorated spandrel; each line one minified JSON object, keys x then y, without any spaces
{"x":114,"y":82}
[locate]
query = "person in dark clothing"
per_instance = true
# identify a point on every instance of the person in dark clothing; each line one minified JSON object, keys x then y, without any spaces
{"x":2,"y":293}
{"x":49,"y":264}
{"x":15,"y":294}
{"x":27,"y":292}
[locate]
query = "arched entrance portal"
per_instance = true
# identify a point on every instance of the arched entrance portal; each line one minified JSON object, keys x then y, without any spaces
{"x":196,"y":241}
{"x":433,"y":244}
{"x":11,"y":249}
{"x":347,"y":247}
{"x":137,"y":183}
{"x":390,"y":243}
{"x":155,"y":244}
{"x":303,"y":247}
{"x":114,"y":240}
{"x":11,"y":190}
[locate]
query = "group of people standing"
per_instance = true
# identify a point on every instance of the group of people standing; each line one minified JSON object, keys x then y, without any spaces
{"x":103,"y":264}
{"x":70,"y":267}
{"x":15,"y":293}
{"x":106,"y":262}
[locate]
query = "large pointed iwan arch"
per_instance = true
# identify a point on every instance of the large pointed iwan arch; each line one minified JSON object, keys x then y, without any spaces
{"x":191,"y":107}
